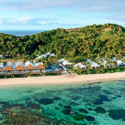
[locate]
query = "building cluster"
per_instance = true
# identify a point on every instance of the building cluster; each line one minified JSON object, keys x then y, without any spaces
{"x":93,"y":65}
{"x":46,"y":55}
{"x":30,"y":67}
{"x":21,"y":67}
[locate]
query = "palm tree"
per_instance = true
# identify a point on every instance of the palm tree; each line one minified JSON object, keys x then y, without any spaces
{"x":46,"y":64}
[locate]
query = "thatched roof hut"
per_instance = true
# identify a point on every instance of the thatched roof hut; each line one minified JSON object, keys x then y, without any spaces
{"x":39,"y":66}
{"x":1,"y":69}
{"x":29,"y":65}
{"x":19,"y":66}
{"x":9,"y":66}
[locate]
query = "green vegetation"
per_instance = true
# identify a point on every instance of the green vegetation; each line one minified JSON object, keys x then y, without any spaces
{"x":98,"y":71}
{"x":52,"y":74}
{"x":106,"y":40}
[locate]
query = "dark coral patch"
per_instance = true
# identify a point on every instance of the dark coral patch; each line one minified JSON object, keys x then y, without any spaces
{"x":100,"y":110}
{"x":45,"y":101}
{"x":90,"y":118}
{"x":66,"y":111}
{"x":106,"y":92}
{"x":117,"y":114}
{"x":90,"y":109}
{"x":4,"y":103}
{"x":67,"y":107}
{"x":79,"y":117}
{"x":83,"y":111}
{"x":102,"y":98}
{"x":56,"y":98}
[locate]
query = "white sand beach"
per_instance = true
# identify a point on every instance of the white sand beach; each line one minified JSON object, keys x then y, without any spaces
{"x":63,"y":79}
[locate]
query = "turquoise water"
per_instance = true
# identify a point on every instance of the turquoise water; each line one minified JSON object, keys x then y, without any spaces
{"x":101,"y":103}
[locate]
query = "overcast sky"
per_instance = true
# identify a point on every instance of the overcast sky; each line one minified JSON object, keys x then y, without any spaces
{"x":52,"y":14}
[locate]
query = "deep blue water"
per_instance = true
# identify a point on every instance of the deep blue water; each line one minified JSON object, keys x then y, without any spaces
{"x":21,"y":32}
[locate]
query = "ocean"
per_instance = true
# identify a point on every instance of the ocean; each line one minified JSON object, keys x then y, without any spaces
{"x":101,"y":103}
{"x":21,"y":32}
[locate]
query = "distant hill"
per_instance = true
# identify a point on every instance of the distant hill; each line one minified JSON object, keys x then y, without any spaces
{"x":79,"y":43}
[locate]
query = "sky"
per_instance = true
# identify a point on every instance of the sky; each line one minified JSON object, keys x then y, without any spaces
{"x":53,"y":14}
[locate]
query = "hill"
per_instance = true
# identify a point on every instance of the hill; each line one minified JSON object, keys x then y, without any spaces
{"x":75,"y":44}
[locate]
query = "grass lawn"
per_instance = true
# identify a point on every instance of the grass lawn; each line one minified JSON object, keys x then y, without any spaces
{"x":12,"y":60}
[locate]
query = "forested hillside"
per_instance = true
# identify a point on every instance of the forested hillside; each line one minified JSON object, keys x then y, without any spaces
{"x":88,"y":42}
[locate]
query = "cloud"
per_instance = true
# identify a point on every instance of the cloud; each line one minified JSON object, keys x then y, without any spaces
{"x":118,"y":17}
{"x":79,"y":5}
{"x":36,"y":21}
{"x":25,"y":21}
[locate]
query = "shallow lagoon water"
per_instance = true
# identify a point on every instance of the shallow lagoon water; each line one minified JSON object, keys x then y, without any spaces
{"x":100,"y":103}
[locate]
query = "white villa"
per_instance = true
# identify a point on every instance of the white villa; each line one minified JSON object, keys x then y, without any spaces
{"x":46,"y":55}
{"x":67,"y":63}
{"x":120,"y":63}
{"x":61,"y":60}
{"x":80,"y":65}
{"x":94,"y":65}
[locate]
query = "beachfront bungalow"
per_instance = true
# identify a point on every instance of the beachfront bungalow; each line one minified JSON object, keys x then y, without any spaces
{"x":94,"y":65}
{"x":29,"y":66}
{"x":67,"y":63}
{"x":9,"y":67}
{"x":19,"y":67}
{"x":80,"y":65}
{"x":39,"y":66}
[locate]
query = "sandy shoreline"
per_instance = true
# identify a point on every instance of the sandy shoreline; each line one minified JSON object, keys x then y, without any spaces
{"x":63,"y":79}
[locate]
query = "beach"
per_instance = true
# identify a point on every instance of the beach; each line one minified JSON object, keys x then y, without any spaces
{"x":63,"y":79}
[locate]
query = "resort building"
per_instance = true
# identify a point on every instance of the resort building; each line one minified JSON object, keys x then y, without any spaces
{"x":61,"y":60}
{"x":19,"y":67}
{"x":9,"y":67}
{"x":80,"y":65}
{"x":46,"y":55}
{"x":39,"y":66}
{"x":29,"y":66}
{"x":120,"y":63}
{"x":67,"y":63}
{"x":94,"y":65}
{"x":50,"y":54}
{"x":106,"y":64}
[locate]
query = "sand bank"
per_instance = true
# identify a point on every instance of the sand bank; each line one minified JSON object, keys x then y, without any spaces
{"x":63,"y":79}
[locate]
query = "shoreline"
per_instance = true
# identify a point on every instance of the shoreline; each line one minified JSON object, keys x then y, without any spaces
{"x":63,"y":79}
